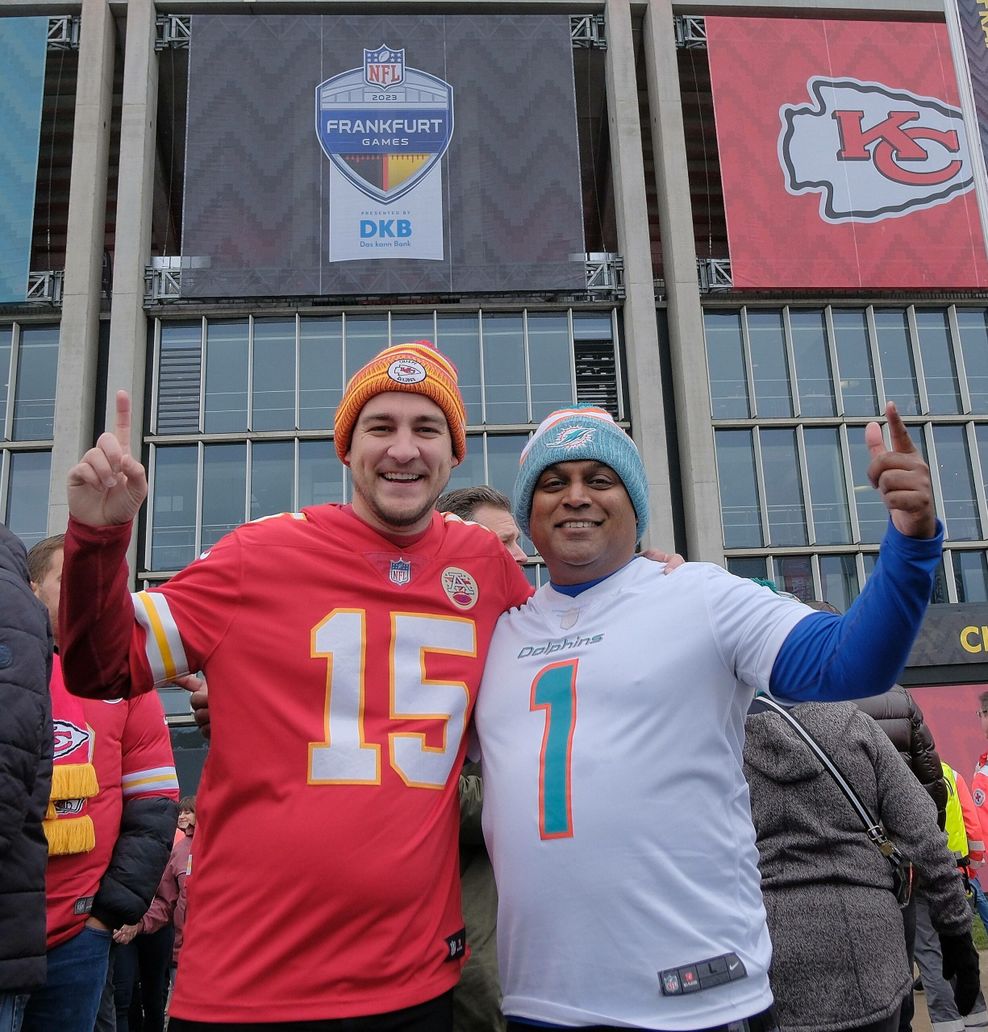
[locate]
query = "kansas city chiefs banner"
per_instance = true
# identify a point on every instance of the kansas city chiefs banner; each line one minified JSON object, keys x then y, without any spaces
{"x":843,"y":155}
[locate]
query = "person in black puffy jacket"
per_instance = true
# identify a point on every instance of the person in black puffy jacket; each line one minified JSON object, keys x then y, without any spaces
{"x":902,"y":720}
{"x":25,"y":780}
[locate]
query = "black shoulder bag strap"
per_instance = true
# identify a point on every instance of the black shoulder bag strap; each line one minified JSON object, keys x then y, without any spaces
{"x":873,"y":828}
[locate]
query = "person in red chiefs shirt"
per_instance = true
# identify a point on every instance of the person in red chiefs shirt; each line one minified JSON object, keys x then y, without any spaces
{"x":109,"y":827}
{"x":979,"y":793}
{"x":343,"y":646}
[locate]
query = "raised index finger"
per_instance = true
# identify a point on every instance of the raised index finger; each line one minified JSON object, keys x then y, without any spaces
{"x":898,"y":434}
{"x":121,"y":430}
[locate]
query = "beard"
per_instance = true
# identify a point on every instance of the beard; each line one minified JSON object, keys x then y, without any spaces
{"x":397,"y":516}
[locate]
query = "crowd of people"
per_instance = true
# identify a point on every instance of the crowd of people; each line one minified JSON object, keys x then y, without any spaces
{"x":658,"y":852}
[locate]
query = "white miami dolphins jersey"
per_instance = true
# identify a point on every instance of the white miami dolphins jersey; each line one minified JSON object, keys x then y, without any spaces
{"x":615,"y":809}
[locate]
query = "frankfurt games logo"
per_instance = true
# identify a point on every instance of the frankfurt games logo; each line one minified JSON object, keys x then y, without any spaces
{"x":384,"y":125}
{"x":872,"y":152}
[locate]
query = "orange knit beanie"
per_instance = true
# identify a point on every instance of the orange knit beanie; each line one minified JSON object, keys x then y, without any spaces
{"x":416,"y":367}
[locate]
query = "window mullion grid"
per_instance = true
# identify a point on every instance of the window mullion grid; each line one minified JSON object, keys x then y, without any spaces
{"x":770,"y":569}
{"x":572,"y":354}
{"x":924,"y":398}
{"x":8,"y":423}
{"x":947,"y":558}
{"x":250,"y":372}
{"x":876,"y":357}
{"x":155,"y":379}
{"x":958,"y":352}
{"x":804,"y":480}
{"x":203,"y":343}
{"x":979,"y":487}
{"x":297,"y":473}
{"x":483,"y":445}
{"x":760,"y":484}
{"x":528,"y":365}
{"x":931,"y":450}
{"x":817,"y":576}
{"x":4,"y":482}
{"x":852,"y":505}
{"x":152,"y":474}
{"x":248,"y":478}
{"x":618,"y":362}
{"x":200,"y":476}
{"x":790,"y":361}
{"x":873,"y":351}
{"x":859,"y":569}
{"x":749,"y":374}
{"x":483,"y":371}
{"x":298,"y":372}
{"x":828,"y":318}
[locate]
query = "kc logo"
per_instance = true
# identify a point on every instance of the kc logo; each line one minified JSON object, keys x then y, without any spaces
{"x":872,"y":152}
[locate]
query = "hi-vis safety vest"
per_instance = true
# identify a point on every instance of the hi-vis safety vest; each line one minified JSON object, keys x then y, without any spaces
{"x":963,"y":824}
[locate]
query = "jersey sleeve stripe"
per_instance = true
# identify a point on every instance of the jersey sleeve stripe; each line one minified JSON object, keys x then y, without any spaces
{"x":134,"y":784}
{"x":164,"y":649}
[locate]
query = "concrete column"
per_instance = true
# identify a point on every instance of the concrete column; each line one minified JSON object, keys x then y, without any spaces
{"x":640,"y":329}
{"x":701,"y":496}
{"x":135,"y":197}
{"x":132,"y":244}
{"x":79,"y":332}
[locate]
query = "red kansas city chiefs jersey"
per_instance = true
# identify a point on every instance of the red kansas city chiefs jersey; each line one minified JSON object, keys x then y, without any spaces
{"x":342,"y":671}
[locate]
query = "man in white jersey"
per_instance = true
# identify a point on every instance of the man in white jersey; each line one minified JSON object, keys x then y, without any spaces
{"x":611,"y":736}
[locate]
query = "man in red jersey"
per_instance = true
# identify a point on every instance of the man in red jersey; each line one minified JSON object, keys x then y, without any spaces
{"x":363,"y":629}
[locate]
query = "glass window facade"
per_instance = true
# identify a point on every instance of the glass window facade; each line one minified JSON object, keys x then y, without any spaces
{"x":242,"y":409}
{"x":792,"y":390}
{"x":28,"y":370}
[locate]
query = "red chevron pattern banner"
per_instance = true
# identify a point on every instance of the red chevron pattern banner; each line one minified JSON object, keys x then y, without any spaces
{"x":967,"y":22}
{"x":844,"y":159}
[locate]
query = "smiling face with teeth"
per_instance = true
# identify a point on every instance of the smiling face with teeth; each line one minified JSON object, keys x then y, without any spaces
{"x":582,"y":521}
{"x":400,"y":459}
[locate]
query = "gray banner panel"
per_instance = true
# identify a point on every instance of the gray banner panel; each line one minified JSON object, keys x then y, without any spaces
{"x":257,"y":181}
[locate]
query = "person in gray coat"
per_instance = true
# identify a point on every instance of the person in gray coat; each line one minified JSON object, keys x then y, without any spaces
{"x":25,"y":781}
{"x":839,"y":956}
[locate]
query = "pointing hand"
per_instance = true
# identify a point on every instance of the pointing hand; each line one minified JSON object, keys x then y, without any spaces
{"x":901,"y":477}
{"x":109,"y":485}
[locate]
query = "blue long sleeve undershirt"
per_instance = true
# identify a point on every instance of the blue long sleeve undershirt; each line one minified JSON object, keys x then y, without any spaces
{"x":830,"y":657}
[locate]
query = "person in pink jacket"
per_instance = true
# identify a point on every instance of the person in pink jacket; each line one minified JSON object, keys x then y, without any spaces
{"x":149,"y":950}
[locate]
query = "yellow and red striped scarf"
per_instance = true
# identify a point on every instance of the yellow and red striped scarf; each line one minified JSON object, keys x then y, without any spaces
{"x":68,"y":828}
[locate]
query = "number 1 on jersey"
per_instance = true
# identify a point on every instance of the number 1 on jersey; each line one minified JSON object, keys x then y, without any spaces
{"x":554,"y":690}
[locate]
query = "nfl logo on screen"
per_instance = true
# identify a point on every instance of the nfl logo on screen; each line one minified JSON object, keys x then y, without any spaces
{"x":384,"y":66}
{"x":401,"y":572}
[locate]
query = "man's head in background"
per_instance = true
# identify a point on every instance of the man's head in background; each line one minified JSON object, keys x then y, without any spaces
{"x":488,"y":507}
{"x":983,"y":712}
{"x":44,"y":567}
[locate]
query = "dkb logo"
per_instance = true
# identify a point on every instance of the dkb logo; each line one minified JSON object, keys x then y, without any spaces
{"x":385,"y":229}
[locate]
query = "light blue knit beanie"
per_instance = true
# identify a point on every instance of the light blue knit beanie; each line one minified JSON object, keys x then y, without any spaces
{"x":572,"y":435}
